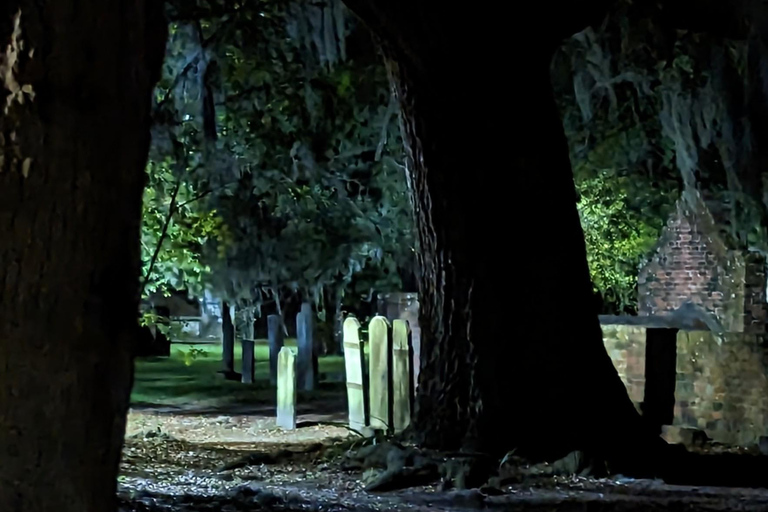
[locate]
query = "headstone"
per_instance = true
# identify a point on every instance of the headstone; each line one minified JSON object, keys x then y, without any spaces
{"x":354,"y":359}
{"x":286,"y":389}
{"x":275,"y":337}
{"x":379,"y":373}
{"x":307,"y":360}
{"x":247,"y":347}
{"x":245,"y":322}
{"x":399,"y":306}
{"x":210,"y":316}
{"x":416,"y":355}
{"x":402,"y":389}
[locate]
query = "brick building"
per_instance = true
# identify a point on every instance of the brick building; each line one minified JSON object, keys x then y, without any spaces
{"x":692,"y":263}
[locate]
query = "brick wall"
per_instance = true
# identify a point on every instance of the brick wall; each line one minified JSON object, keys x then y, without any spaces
{"x":755,"y":311}
{"x":692,"y":263}
{"x":626,"y":346}
{"x":721,"y":384}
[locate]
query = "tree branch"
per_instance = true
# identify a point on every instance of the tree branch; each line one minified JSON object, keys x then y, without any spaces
{"x":180,"y":160}
{"x":186,"y":11}
{"x":729,"y":19}
{"x":163,"y":234}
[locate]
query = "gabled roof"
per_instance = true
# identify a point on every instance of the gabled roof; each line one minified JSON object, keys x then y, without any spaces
{"x":688,"y":317}
{"x":691,"y":206}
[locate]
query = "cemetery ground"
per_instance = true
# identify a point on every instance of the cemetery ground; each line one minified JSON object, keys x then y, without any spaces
{"x":196,"y":441}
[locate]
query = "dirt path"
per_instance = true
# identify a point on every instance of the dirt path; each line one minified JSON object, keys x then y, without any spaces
{"x":177,"y":463}
{"x":246,"y":429}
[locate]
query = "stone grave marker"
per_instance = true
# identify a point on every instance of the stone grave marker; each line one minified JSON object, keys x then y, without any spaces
{"x":275,"y":337}
{"x":415,"y":355}
{"x":248,"y":358}
{"x":402,"y":391}
{"x":210,"y":316}
{"x":286,"y":389}
{"x":380,"y":353}
{"x":354,"y":359}
{"x":305,"y":341}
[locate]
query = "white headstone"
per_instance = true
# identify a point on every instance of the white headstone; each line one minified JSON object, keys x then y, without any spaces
{"x":354,"y":357}
{"x":286,"y":389}
{"x":379,"y":373}
{"x":402,"y":386}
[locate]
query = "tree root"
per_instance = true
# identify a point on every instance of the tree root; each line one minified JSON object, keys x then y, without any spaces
{"x":259,"y":458}
{"x":515,"y":469}
{"x":389,"y":466}
{"x":305,"y":424}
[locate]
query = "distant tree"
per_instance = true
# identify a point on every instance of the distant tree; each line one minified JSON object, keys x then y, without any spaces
{"x":689,"y":106}
{"x":293,"y":142}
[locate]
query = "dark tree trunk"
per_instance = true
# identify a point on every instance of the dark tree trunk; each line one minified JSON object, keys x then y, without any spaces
{"x":162,"y":343}
{"x":76,"y":85}
{"x":512,"y":353}
{"x":757,"y":112}
{"x":334,"y":318}
{"x":227,"y":338}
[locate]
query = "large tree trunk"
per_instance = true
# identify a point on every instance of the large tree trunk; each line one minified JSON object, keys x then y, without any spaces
{"x":512,"y":353}
{"x":75,"y":80}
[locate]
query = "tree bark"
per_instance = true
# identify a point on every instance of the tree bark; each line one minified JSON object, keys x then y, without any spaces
{"x":75,"y":85}
{"x":228,"y":338}
{"x":512,"y":353}
{"x":334,"y":317}
{"x":757,"y":113}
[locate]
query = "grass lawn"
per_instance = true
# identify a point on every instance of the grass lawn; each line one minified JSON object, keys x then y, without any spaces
{"x":186,"y":380}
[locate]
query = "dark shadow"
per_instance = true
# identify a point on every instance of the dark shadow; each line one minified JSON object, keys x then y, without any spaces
{"x":717,"y":470}
{"x":660,"y":375}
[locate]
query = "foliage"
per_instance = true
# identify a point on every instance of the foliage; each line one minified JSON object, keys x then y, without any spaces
{"x":291,"y":142}
{"x":622,"y":168}
{"x":174,"y":231}
{"x":695,"y":99}
{"x":617,"y":238}
{"x":192,"y":354}
{"x":648,"y":111}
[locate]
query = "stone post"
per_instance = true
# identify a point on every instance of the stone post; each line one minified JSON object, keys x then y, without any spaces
{"x":275,"y":337}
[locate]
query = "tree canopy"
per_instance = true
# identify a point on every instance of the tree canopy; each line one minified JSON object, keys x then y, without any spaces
{"x":277,"y":150}
{"x":651,"y":109}
{"x":275,"y":126}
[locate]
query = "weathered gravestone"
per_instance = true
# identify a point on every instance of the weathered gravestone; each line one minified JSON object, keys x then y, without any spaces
{"x":415,"y":354}
{"x":402,"y":378}
{"x":210,"y":316}
{"x":305,"y":341}
{"x":354,"y":359}
{"x":286,"y":389}
{"x":247,"y":347}
{"x":275,"y":337}
{"x":379,"y":366}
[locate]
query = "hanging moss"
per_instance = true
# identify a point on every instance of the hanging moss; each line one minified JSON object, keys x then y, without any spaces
{"x":687,"y":93}
{"x":320,"y":28}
